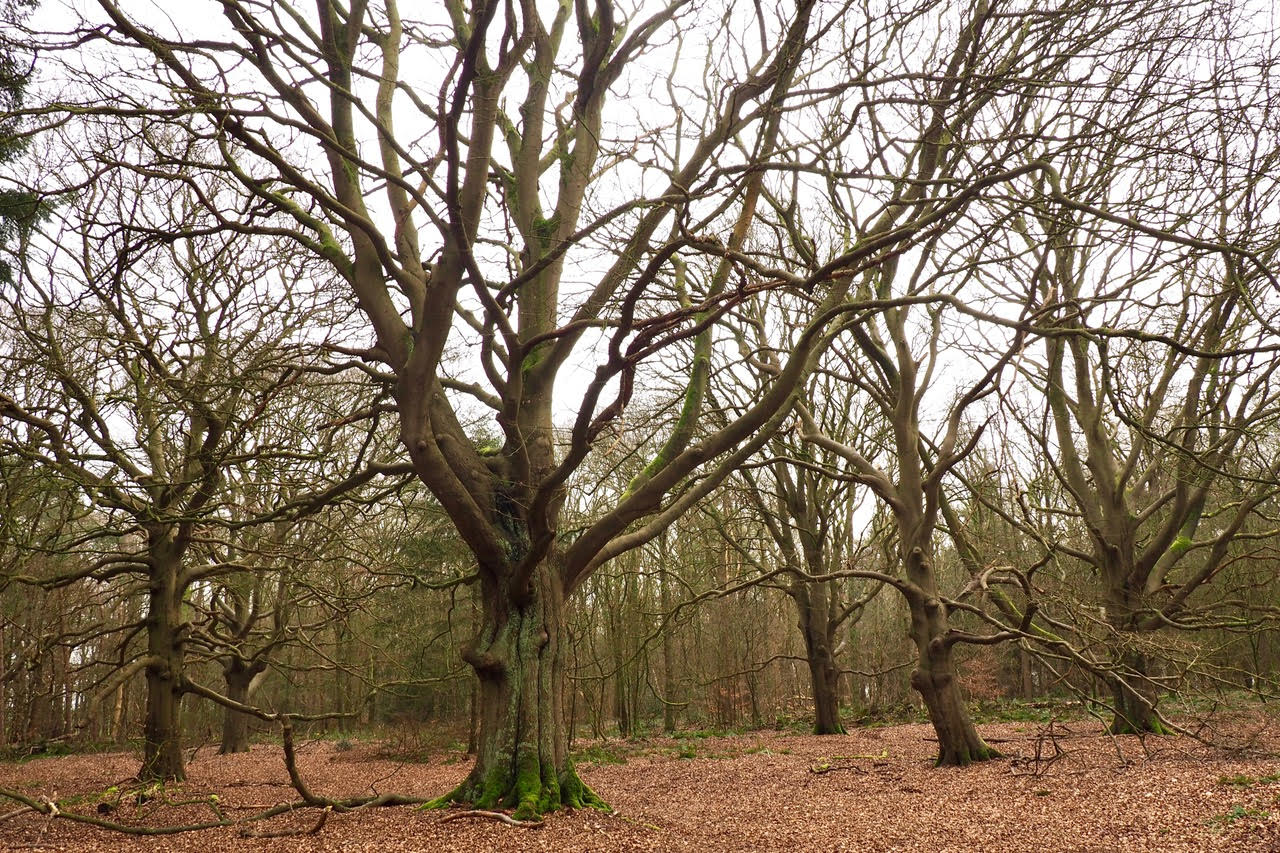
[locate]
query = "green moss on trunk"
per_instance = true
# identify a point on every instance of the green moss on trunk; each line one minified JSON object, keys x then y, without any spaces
{"x":522,"y":755}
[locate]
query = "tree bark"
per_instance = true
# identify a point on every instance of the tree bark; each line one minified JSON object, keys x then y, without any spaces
{"x":522,"y":756}
{"x":669,"y":720}
{"x":959,"y":743}
{"x":824,"y":674}
{"x":1134,"y":696}
{"x":162,"y":726}
{"x":235,"y":724}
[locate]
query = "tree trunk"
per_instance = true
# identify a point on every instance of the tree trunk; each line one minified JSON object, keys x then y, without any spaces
{"x":669,"y":721}
{"x":1133,"y":694}
{"x":162,"y":726}
{"x":119,"y":732}
{"x":522,"y":757}
{"x":935,"y":679}
{"x":1134,"y":698}
{"x":235,"y":724}
{"x":4,"y":688}
{"x":824,"y":674}
{"x":473,"y":721}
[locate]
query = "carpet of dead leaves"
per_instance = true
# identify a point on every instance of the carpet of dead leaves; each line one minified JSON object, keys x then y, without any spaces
{"x":1067,"y":787}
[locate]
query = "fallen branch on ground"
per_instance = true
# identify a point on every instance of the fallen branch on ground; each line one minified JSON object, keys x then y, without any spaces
{"x":249,"y":832}
{"x":501,"y":817}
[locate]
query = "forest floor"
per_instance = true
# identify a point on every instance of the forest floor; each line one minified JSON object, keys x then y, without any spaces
{"x":1065,"y":787}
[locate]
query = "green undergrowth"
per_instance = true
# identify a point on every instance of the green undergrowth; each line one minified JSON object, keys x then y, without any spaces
{"x":24,"y":752}
{"x":1022,"y":711}
{"x":685,"y":745}
{"x":602,"y":752}
{"x":1240,"y":780}
{"x":1236,"y":814}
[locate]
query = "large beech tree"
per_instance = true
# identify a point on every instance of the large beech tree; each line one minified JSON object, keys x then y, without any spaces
{"x":519,"y":194}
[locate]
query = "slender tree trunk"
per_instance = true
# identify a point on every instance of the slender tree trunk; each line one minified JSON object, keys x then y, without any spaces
{"x":118,"y":729}
{"x":162,"y":727}
{"x":4,"y":688}
{"x":341,"y":675}
{"x":616,"y":638}
{"x":935,"y":679}
{"x":669,"y":721}
{"x":1026,"y":682}
{"x":522,"y":756}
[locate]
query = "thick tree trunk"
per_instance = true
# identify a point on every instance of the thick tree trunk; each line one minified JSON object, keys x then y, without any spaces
{"x":522,"y":756}
{"x":824,"y":674}
{"x":1134,"y":699}
{"x":1133,"y":694}
{"x":235,"y":724}
{"x":934,"y":678}
{"x":162,"y":726}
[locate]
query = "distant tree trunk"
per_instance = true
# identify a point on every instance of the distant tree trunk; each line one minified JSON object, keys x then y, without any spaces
{"x":342,"y":674}
{"x":669,"y":721}
{"x":616,"y":637}
{"x":4,"y":688}
{"x":162,"y":727}
{"x":240,"y":681}
{"x":119,"y":731}
{"x":621,"y":701}
{"x":522,"y":757}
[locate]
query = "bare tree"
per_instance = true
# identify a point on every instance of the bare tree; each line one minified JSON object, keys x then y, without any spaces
{"x":144,"y":418}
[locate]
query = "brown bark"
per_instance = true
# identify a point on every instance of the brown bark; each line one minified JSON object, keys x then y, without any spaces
{"x":824,"y":673}
{"x":669,"y":721}
{"x":162,"y":726}
{"x":935,"y":679}
{"x":522,"y":756}
{"x":239,"y":679}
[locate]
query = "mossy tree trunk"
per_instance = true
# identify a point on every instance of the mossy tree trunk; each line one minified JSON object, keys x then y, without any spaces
{"x":1133,"y":694}
{"x":522,"y":755}
{"x":1134,"y":699}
